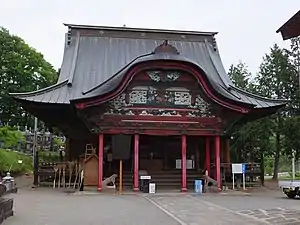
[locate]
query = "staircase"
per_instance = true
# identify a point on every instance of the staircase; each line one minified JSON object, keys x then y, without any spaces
{"x":164,"y":180}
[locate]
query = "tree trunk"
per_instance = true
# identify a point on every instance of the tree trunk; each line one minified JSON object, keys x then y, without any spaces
{"x":262,"y":168}
{"x":277,"y":155}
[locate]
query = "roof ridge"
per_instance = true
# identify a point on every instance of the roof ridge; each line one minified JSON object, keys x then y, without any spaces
{"x":74,"y":60}
{"x":213,"y":63}
{"x":150,"y":30}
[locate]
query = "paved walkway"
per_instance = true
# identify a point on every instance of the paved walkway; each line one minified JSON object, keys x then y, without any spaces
{"x":53,"y":207}
{"x":49,"y":207}
{"x":189,"y":210}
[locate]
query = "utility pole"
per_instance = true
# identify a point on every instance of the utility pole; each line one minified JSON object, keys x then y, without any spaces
{"x":293,"y":164}
{"x":35,"y":153}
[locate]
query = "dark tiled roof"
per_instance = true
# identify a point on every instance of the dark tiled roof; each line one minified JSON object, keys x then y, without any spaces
{"x":94,"y":63}
{"x":291,"y":28}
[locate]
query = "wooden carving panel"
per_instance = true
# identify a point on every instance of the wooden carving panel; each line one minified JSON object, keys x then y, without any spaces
{"x":152,"y":103}
{"x":158,"y":102}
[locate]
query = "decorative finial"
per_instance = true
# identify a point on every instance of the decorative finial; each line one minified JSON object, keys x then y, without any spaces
{"x":166,"y":48}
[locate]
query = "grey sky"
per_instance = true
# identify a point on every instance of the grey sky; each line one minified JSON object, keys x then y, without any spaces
{"x":246,"y":27}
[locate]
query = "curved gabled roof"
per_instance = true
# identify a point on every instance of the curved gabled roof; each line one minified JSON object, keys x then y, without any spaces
{"x":95,"y":59}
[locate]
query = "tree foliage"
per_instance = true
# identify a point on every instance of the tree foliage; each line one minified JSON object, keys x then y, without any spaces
{"x":22,"y":69}
{"x":10,"y":138}
{"x":278,"y":134}
{"x":240,"y":75}
{"x":253,"y":138}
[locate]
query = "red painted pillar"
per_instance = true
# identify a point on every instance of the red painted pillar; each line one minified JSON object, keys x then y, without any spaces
{"x":207,"y":155}
{"x":183,"y":162}
{"x":136,"y":163}
{"x":100,"y":156}
{"x":218,"y":161}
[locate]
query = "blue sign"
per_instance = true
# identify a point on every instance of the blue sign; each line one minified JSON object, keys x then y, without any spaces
{"x":198,"y":186}
{"x":243,"y":168}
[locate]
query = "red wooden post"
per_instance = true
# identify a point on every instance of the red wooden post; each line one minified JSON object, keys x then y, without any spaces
{"x":136,"y":163}
{"x":207,"y":155}
{"x":183,"y":162}
{"x":100,"y":156}
{"x":218,"y":161}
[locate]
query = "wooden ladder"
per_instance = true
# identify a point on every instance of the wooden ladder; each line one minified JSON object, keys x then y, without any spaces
{"x":89,"y":150}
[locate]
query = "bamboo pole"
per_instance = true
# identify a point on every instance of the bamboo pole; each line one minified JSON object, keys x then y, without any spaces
{"x":121,"y":177}
{"x":55,"y":174}
{"x":71,"y":168}
{"x":59,"y":175}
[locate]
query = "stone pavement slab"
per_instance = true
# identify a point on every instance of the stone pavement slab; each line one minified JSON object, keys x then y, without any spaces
{"x":276,"y":215}
{"x":53,"y":207}
{"x":189,"y":210}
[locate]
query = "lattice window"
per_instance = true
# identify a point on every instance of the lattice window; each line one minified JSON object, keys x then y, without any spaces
{"x":138,"y":97}
{"x":182,"y":98}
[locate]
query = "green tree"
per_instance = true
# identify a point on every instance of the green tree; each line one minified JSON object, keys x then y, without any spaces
{"x":292,"y":121}
{"x":276,"y":79}
{"x":240,"y":75}
{"x":250,"y":142}
{"x":22,"y":69}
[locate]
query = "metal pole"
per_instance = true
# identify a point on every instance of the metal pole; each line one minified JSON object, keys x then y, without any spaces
{"x":35,"y":152}
{"x":293,"y":164}
{"x":244,"y":182}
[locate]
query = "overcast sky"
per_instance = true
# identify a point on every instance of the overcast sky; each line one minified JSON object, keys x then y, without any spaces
{"x":247,"y":28}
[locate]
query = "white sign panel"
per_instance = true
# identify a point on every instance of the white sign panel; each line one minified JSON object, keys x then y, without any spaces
{"x":237,"y":168}
{"x":151,"y":188}
{"x":189,"y":164}
{"x":178,"y":163}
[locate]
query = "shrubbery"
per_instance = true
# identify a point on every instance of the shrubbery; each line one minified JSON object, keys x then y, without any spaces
{"x":10,"y":159}
{"x":47,"y":156}
{"x":10,"y":137}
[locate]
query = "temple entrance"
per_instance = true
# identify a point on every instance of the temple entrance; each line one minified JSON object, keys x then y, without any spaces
{"x":159,"y":153}
{"x":159,"y":157}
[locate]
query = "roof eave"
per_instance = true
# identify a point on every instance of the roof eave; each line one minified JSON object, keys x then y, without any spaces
{"x":285,"y":28}
{"x":37,"y":92}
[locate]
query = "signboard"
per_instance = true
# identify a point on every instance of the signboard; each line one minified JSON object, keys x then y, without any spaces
{"x":151,"y":188}
{"x":237,"y":168}
{"x":243,"y":168}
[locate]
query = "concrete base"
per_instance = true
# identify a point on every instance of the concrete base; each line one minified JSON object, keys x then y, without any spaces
{"x":184,"y":189}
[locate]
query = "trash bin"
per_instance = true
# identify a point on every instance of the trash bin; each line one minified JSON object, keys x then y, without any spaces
{"x":144,"y":183}
{"x":198,"y":186}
